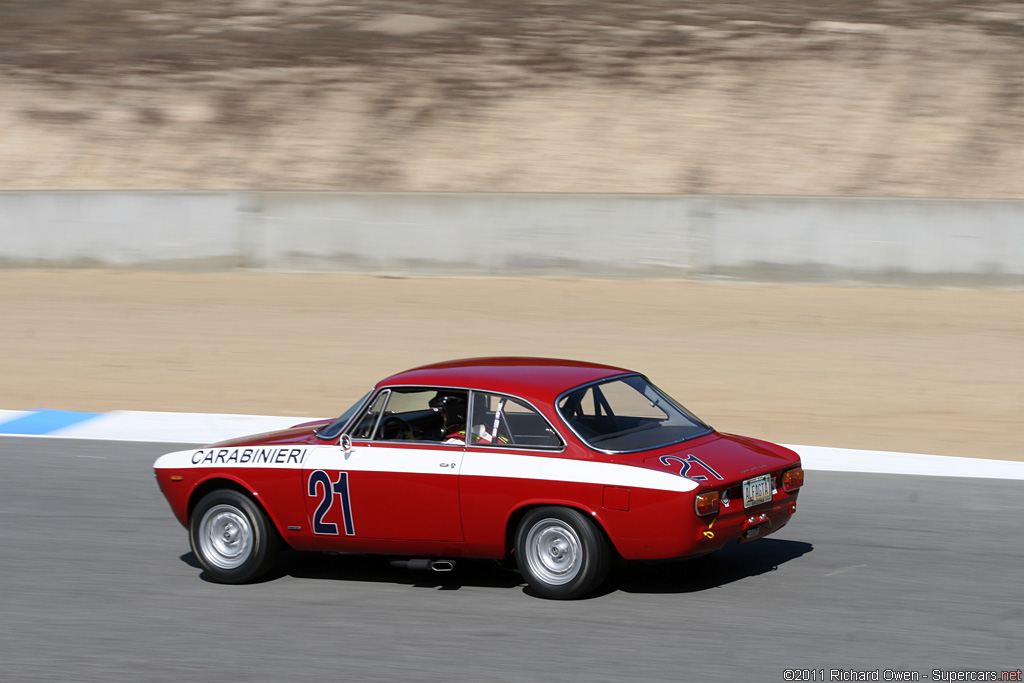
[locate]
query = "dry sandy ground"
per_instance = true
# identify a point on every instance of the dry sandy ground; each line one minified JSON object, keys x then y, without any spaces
{"x":929,"y":371}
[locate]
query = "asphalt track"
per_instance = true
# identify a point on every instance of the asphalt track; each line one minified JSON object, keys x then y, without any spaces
{"x":875,"y":572}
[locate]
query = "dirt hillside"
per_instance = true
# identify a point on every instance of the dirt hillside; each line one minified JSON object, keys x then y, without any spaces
{"x":846,"y":97}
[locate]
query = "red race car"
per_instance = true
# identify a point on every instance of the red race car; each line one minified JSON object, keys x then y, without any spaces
{"x":560,"y":465}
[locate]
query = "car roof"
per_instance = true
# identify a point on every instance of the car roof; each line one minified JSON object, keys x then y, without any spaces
{"x":534,"y":379}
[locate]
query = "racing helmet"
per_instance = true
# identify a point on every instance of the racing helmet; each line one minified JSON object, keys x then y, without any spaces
{"x":452,"y":406}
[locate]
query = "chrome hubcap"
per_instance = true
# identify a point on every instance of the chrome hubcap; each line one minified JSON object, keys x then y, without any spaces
{"x":553,"y":551}
{"x":225,"y":537}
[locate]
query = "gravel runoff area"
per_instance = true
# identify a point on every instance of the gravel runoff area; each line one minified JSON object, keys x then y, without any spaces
{"x":921,"y":371}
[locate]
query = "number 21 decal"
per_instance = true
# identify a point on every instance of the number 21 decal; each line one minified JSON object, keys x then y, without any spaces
{"x":320,"y":479}
{"x":688,"y":462}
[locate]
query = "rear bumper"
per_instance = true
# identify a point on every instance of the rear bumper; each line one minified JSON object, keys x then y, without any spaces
{"x":745,"y":525}
{"x":683,"y":534}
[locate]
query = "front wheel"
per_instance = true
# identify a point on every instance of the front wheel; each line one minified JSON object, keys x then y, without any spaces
{"x":231,"y":537}
{"x":561,"y":552}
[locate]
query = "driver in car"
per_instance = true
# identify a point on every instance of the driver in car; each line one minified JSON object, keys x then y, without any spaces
{"x":453,"y":412}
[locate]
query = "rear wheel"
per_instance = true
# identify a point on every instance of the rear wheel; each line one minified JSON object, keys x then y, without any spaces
{"x":561,"y":552}
{"x":232,"y":537}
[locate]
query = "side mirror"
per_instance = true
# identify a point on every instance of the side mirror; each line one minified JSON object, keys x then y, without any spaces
{"x":345,"y":443}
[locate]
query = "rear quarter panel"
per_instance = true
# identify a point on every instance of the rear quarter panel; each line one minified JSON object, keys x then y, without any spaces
{"x":497,"y":484}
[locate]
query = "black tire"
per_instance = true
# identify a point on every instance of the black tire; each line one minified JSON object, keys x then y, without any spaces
{"x":561,"y":553}
{"x":232,"y":537}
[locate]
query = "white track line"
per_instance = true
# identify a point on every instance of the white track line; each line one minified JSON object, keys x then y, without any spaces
{"x":826,"y":459}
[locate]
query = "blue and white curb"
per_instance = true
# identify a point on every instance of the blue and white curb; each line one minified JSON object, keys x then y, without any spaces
{"x":204,"y":428}
{"x":35,"y":422}
{"x":133,"y":425}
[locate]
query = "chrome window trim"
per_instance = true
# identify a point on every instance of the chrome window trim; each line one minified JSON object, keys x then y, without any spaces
{"x":380,"y":416}
{"x":613,"y":378}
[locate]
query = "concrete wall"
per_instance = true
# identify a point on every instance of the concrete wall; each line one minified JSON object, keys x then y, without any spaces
{"x":889,"y":241}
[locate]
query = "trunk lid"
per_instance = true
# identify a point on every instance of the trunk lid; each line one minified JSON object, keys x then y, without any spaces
{"x":722,"y":458}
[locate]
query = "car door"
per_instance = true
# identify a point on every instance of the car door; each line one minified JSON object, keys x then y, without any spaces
{"x":394,"y":475}
{"x":506,"y":463}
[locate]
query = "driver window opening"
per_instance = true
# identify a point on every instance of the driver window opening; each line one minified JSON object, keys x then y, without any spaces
{"x":417,"y":414}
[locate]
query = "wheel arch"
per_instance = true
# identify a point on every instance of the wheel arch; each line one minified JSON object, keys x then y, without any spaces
{"x":512,"y":524}
{"x":215,"y":483}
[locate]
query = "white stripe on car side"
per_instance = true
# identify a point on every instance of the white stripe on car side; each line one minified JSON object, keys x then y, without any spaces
{"x":385,"y":459}
{"x":517,"y":466}
{"x":430,"y":461}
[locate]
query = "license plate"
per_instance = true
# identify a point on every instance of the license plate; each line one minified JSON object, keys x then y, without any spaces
{"x":757,"y":490}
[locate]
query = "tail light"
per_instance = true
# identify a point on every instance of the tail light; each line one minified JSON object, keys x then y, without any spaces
{"x":792,"y":480}
{"x":707,"y":503}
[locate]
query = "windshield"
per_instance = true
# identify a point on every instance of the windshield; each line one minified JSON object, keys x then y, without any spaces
{"x":627,"y":414}
{"x":333,"y":430}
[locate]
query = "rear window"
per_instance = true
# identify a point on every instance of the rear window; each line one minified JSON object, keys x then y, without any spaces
{"x":626,"y":414}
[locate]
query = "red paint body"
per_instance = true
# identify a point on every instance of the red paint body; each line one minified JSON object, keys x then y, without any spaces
{"x":438,"y":500}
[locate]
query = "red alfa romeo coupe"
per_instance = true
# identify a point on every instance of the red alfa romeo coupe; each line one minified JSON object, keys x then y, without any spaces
{"x":559,"y":465}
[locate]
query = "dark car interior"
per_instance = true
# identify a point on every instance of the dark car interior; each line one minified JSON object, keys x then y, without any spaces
{"x":518,"y":426}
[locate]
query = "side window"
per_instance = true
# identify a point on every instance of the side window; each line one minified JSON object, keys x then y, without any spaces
{"x":416,"y":414}
{"x":500,"y":420}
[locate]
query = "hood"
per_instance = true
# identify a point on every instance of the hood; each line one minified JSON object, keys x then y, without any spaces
{"x":724,"y":457}
{"x":301,"y":433}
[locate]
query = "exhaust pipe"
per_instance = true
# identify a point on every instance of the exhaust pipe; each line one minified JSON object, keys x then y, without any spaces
{"x":442,"y":565}
{"x":425,"y":565}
